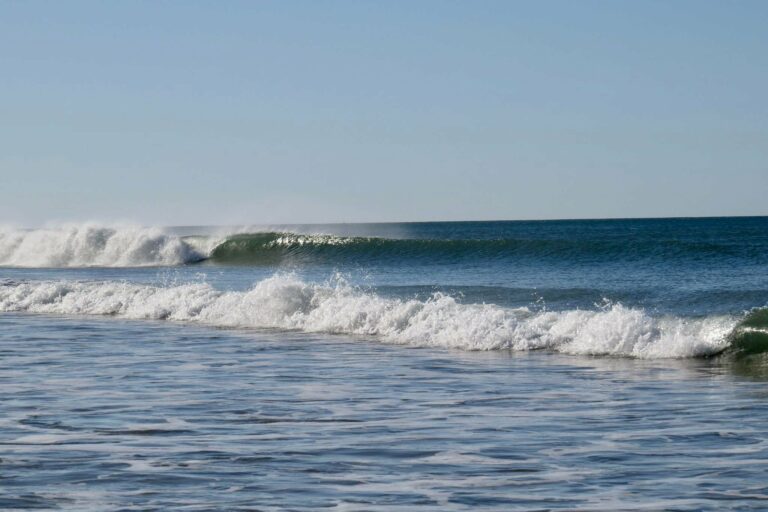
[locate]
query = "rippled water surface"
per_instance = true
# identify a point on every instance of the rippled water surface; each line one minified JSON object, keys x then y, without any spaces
{"x":129,"y":415}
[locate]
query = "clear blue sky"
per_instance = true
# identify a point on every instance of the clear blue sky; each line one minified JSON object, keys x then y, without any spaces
{"x":259,"y":112}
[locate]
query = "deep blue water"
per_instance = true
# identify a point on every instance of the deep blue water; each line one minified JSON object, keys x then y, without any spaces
{"x":569,"y":365}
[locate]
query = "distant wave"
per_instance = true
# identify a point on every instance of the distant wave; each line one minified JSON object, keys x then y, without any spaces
{"x":286,"y":302}
{"x":93,"y":245}
{"x":275,"y":247}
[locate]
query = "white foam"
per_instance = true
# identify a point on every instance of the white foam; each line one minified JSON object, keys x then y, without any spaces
{"x":81,"y":245}
{"x":286,"y":302}
{"x":294,"y":239}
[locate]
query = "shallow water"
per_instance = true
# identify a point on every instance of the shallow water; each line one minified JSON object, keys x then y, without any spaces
{"x":109,"y":414}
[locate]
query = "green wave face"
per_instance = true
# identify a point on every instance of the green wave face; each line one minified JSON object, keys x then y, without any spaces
{"x":277,"y":247}
{"x":274,"y":248}
{"x":750,"y":336}
{"x":246,"y":249}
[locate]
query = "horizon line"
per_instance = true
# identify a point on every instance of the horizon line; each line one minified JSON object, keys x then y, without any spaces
{"x":445,"y":221}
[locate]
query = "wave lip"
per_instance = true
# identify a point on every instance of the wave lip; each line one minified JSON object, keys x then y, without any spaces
{"x":285,"y":302}
{"x":87,"y":245}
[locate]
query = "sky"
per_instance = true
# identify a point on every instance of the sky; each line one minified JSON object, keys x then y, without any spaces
{"x":191,"y":112}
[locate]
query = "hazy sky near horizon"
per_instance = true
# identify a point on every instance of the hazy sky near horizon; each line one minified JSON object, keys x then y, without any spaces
{"x":279,"y":112}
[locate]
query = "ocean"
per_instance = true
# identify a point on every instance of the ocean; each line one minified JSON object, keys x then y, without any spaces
{"x":510,"y":365}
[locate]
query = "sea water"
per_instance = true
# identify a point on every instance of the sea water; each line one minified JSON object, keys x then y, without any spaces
{"x":573,"y":365}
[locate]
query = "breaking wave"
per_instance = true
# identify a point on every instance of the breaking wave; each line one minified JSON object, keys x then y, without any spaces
{"x":286,"y":302}
{"x":89,"y":245}
{"x":92,"y":245}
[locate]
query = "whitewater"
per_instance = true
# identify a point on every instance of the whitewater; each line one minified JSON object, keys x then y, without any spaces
{"x":85,"y":245}
{"x":285,"y":302}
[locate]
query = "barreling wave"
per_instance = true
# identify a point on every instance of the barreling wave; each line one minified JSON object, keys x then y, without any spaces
{"x":285,"y":302}
{"x":281,"y":247}
{"x":93,"y":245}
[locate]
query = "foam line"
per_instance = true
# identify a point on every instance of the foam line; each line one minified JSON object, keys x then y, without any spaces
{"x":286,"y":302}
